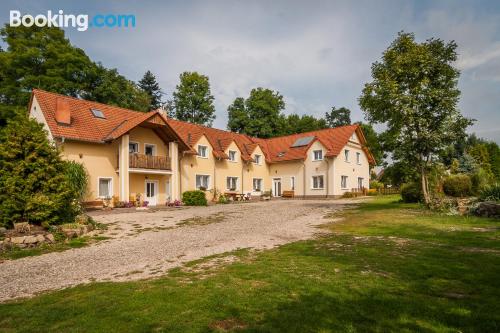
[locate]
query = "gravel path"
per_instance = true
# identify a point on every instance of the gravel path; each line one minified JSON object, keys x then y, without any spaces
{"x":147,"y":244}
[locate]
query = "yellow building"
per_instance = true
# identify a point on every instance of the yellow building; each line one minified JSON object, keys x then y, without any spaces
{"x":129,"y":154}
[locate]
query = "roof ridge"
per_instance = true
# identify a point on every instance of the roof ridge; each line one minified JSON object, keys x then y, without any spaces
{"x":310,"y":132}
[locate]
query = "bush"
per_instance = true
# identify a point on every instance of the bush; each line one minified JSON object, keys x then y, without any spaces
{"x":223,"y":199}
{"x":194,"y":198}
{"x":77,"y":178}
{"x":349,"y":195}
{"x":33,"y":181}
{"x":411,"y":192}
{"x":372,"y":192}
{"x":490,"y":193}
{"x":458,"y":186}
{"x":376,"y":185}
{"x":480,"y":179}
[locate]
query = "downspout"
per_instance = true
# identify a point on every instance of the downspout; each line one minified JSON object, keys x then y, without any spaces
{"x":327,"y":172}
{"x":179,"y":170}
{"x":304,"y":179}
{"x":215,"y":179}
{"x":242,"y":172}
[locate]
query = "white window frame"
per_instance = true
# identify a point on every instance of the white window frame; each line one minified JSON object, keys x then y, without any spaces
{"x":362,"y":182}
{"x":259,"y":159}
{"x":292,"y":183}
{"x":358,"y":158}
{"x":198,"y":151}
{"x":314,"y":155}
{"x":342,"y":180}
{"x":136,"y":144}
{"x":346,"y":155}
{"x":253,"y":184}
{"x":150,"y":145}
{"x":229,"y":155}
{"x":236,"y":183}
{"x":99,"y":187}
{"x":202,"y":175}
{"x":312,"y":182}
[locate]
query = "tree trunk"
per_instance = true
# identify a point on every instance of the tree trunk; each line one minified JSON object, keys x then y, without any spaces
{"x":425,"y":185}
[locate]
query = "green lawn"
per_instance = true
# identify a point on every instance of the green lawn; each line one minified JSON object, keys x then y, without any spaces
{"x":388,"y":267}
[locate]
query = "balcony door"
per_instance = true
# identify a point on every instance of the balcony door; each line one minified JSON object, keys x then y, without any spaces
{"x":277,"y":187}
{"x":151,"y":192}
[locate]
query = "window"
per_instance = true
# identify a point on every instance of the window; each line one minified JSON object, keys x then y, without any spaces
{"x":257,"y":184}
{"x":358,"y":158}
{"x":343,"y":181}
{"x":318,"y":155}
{"x":105,"y":187}
{"x":318,"y":183}
{"x":346,"y":154}
{"x":133,"y":147}
{"x":232,"y":156}
{"x":232,"y":183}
{"x":360,"y":182}
{"x":98,"y":113}
{"x":202,"y":181}
{"x":149,"y":149}
{"x":292,"y":183}
{"x":202,"y":151}
{"x":256,"y":159}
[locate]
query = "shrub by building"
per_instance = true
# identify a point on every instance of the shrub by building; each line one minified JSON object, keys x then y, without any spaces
{"x":194,"y":198}
{"x":411,"y":192}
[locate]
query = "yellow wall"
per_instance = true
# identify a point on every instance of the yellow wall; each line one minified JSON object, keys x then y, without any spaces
{"x":143,"y":135}
{"x":100,"y":160}
{"x":138,"y":185}
{"x":252,"y":170}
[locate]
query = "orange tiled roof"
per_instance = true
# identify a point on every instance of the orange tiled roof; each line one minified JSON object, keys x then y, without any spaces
{"x":85,"y":127}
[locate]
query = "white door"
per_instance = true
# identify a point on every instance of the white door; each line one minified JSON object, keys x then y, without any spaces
{"x":277,"y":187}
{"x":151,"y":192}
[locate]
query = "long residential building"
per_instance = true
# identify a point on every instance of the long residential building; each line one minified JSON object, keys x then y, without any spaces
{"x":129,"y":154}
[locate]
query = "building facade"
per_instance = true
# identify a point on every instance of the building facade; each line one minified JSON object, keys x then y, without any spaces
{"x":130,"y":154}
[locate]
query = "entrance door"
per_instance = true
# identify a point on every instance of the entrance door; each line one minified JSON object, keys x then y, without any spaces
{"x":151,"y":192}
{"x":277,"y":187}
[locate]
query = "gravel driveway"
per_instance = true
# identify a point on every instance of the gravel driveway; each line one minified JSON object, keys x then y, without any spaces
{"x":147,"y":244}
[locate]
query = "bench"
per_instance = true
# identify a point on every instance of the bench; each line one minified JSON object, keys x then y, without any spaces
{"x":288,"y":194}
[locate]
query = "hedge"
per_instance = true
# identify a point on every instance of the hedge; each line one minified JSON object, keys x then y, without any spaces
{"x":194,"y":198}
{"x":411,"y":192}
{"x":458,"y":186}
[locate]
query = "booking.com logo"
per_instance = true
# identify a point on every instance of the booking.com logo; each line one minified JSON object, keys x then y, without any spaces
{"x":81,"y":22}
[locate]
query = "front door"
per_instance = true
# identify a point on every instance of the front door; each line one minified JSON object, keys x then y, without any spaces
{"x":151,"y":192}
{"x":277,"y":187}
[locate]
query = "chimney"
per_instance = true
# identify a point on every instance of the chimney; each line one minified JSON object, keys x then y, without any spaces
{"x":63,"y":114}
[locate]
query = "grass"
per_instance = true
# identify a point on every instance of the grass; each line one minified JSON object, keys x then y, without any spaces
{"x":387,"y":267}
{"x":58,"y":246}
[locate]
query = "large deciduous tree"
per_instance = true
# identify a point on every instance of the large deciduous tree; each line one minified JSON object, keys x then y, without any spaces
{"x":261,"y":114}
{"x":338,"y":117}
{"x":149,"y":84}
{"x":193,"y":100}
{"x":414,"y":94}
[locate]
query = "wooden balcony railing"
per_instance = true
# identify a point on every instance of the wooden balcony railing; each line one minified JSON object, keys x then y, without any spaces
{"x":142,"y":161}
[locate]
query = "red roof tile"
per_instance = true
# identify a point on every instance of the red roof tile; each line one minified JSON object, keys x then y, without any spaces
{"x":118,"y":121}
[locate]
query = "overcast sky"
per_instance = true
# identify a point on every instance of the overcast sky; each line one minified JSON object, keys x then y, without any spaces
{"x":317,"y":54}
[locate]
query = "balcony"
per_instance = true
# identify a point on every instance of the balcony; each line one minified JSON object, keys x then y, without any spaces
{"x":141,"y":161}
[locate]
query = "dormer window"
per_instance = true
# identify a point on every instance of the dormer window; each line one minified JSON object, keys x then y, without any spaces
{"x":318,"y":155}
{"x":98,"y":113}
{"x":232,"y":155}
{"x":281,"y":154}
{"x":257,"y":159}
{"x":202,"y":151}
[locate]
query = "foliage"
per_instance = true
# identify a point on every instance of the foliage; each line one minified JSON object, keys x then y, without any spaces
{"x":459,"y":185}
{"x":223,"y":199}
{"x":375,"y":184}
{"x":301,"y":124}
{"x":193,"y":101}
{"x":490,"y":193}
{"x":41,"y":57}
{"x":414,"y":94}
{"x":194,"y":198}
{"x":480,"y":179}
{"x":149,"y":84}
{"x":77,"y":179}
{"x":372,"y":192}
{"x":373,"y":142}
{"x":349,"y":195}
{"x":259,"y":115}
{"x":411,"y":192}
{"x":34,"y":186}
{"x":175,"y":203}
{"x":398,"y":173}
{"x":338,"y":117}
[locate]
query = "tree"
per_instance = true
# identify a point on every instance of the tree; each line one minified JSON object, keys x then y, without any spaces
{"x":152,"y":88}
{"x":259,"y":115}
{"x":338,"y":117}
{"x":373,"y":142}
{"x":193,"y":100}
{"x":304,"y":123}
{"x":414,"y":94}
{"x":33,"y":181}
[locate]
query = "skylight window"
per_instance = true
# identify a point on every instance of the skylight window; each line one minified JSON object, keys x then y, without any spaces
{"x":303,"y":141}
{"x":281,"y":154}
{"x":98,"y":113}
